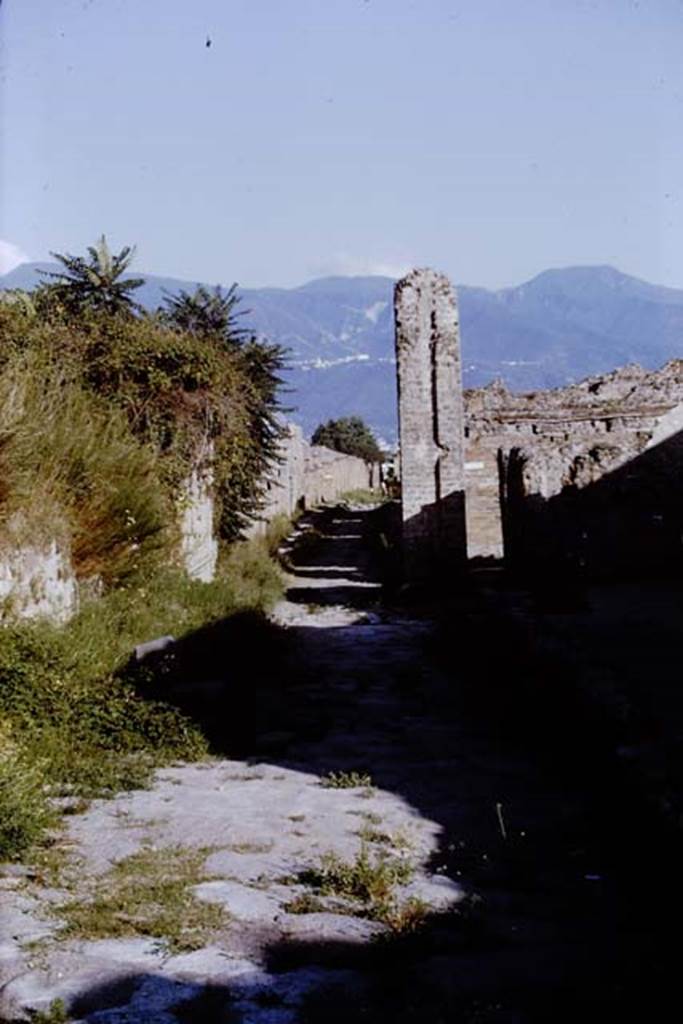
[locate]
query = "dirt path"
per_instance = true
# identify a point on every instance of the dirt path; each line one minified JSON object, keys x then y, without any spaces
{"x":384,"y":856}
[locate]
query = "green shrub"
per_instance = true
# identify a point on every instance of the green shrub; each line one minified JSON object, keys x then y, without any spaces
{"x":24,"y":812}
{"x":55,"y":1014}
{"x":167,"y":391}
{"x":102,"y":418}
{"x":277,"y":531}
{"x":369,"y":880}
{"x":368,"y":885}
{"x":91,"y":735}
{"x":64,"y":693}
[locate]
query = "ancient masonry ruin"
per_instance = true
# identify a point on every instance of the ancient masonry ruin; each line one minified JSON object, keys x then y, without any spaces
{"x":586,"y":478}
{"x":431,"y":425}
{"x":38,"y":580}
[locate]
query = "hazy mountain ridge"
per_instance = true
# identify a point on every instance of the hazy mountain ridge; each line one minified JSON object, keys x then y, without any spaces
{"x":554,"y":329}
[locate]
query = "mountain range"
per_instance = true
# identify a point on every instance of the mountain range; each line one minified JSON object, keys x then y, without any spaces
{"x":561,"y":326}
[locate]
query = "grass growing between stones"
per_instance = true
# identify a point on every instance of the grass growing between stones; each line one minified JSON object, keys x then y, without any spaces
{"x":55,"y":1014}
{"x":306,"y":903}
{"x":367,"y":879}
{"x":395,"y":841}
{"x":346,"y":780}
{"x":148,"y":894}
{"x":366,"y":886}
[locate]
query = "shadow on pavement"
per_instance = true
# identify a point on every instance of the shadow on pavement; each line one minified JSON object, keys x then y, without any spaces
{"x":574,"y":903}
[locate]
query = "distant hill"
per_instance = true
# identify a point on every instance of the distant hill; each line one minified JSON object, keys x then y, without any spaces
{"x":560,"y":326}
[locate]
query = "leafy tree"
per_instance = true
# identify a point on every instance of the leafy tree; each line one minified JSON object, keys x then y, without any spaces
{"x":205,"y":314}
{"x":242,"y":493}
{"x":165,"y":371}
{"x":93,"y":284}
{"x":349,"y":435}
{"x":212,"y":315}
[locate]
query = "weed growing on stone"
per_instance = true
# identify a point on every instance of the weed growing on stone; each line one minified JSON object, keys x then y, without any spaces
{"x":249,"y":847}
{"x":54,"y":866}
{"x":368,"y":816}
{"x":55,"y":1014}
{"x":148,"y":894}
{"x":406,"y":917}
{"x":277,"y":531}
{"x":346,"y":780}
{"x":397,"y":841}
{"x":305,"y":903}
{"x":369,"y":881}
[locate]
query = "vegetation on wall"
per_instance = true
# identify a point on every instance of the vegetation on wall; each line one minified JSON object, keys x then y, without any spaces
{"x":105,"y":411}
{"x":187,"y":380}
{"x":351,"y":435}
{"x":72,"y":470}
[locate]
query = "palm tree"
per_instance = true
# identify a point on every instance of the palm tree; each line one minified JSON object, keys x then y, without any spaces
{"x":95,"y":283}
{"x":206,"y":314}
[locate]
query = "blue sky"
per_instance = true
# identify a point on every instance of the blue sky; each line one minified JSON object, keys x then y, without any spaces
{"x":491,"y":139}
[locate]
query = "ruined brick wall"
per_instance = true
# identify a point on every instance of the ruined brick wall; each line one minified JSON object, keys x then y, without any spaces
{"x":589,"y":473}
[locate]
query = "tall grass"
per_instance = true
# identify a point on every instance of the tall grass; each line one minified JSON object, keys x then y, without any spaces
{"x":71,"y":469}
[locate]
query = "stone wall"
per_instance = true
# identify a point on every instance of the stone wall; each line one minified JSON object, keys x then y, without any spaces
{"x":37,"y":581}
{"x":285,"y":486}
{"x":589,"y":473}
{"x":327,"y":474}
{"x":198,"y":544}
{"x":307,"y":475}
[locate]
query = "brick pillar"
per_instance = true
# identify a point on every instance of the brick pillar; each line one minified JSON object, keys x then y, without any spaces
{"x":431,"y":425}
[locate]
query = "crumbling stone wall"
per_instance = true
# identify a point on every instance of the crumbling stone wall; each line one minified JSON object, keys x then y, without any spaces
{"x":589,"y":473}
{"x":37,"y":581}
{"x":285,"y":484}
{"x":431,"y":425}
{"x":327,"y":474}
{"x":198,"y":545}
{"x":307,"y":475}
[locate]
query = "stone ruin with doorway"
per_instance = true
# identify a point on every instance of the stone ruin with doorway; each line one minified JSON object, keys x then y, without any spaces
{"x":588,"y":477}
